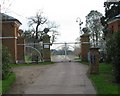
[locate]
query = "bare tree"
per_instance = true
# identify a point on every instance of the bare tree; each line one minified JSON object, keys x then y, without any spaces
{"x":77,"y":48}
{"x":52,"y":26}
{"x":37,"y":21}
{"x":77,"y":51}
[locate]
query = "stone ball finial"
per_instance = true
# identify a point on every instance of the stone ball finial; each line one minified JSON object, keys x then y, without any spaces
{"x":85,"y":30}
{"x":46,"y":30}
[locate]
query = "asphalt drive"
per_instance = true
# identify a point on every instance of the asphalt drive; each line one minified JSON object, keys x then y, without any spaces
{"x":62,"y":78}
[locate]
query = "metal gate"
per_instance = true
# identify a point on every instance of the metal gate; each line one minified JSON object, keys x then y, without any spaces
{"x":66,"y":52}
{"x":60,"y":52}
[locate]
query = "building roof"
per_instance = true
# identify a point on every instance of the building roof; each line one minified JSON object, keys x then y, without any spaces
{"x":117,"y":17}
{"x":6,"y":17}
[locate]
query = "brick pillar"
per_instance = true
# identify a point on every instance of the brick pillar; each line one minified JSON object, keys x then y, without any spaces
{"x":85,"y":45}
{"x":20,"y":50}
{"x":46,"y":48}
{"x":94,"y":61}
{"x":9,"y":38}
{"x":11,"y":44}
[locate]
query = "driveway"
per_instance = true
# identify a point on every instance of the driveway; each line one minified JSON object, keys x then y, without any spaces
{"x":61,"y":78}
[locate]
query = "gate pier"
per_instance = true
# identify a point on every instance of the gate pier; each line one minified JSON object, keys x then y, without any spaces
{"x":46,"y":48}
{"x":85,"y":46}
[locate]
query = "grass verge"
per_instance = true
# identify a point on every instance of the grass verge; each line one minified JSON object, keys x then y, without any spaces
{"x":27,"y":64}
{"x":103,"y":82}
{"x":0,"y":87}
{"x":6,"y":84}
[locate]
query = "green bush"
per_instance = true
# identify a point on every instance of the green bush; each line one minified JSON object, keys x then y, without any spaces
{"x":109,"y":52}
{"x":5,"y":62}
{"x":113,"y":53}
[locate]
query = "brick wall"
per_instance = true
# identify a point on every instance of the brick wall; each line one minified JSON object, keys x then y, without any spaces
{"x":10,"y":31}
{"x":114,"y":25}
{"x":9,"y":38}
{"x":20,"y":50}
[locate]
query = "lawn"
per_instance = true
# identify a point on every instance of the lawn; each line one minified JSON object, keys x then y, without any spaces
{"x":5,"y":84}
{"x":104,"y":81}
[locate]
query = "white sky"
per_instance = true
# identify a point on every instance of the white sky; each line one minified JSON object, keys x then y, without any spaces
{"x":63,"y":12}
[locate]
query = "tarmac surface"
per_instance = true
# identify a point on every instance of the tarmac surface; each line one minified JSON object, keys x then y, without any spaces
{"x":64,"y":77}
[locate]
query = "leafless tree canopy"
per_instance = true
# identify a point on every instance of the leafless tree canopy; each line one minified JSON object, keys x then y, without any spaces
{"x":39,"y":22}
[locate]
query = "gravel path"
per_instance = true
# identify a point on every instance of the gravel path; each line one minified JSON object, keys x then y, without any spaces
{"x":25,"y":76}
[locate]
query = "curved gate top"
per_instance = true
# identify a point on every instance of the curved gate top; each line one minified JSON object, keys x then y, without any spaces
{"x":64,"y":51}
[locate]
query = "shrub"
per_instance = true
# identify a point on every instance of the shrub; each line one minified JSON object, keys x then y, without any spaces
{"x":113,"y":53}
{"x":5,"y":62}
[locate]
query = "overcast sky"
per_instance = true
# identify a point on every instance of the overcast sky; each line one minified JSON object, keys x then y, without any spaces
{"x":63,"y":12}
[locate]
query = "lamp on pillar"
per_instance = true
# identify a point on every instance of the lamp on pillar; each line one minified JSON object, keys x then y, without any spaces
{"x":80,"y":23}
